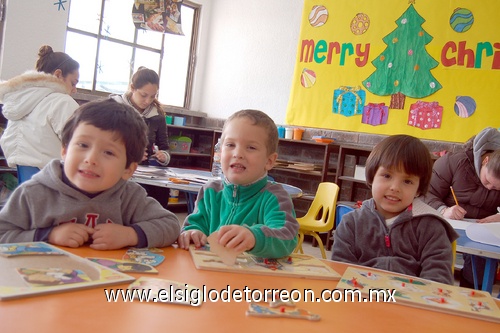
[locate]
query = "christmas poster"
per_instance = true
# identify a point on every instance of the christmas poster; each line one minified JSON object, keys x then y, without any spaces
{"x":433,"y":65}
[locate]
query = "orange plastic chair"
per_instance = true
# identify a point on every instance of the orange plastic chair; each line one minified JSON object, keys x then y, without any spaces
{"x":320,"y":217}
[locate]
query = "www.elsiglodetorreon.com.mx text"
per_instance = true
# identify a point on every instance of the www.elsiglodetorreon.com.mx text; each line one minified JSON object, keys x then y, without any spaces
{"x":195,"y":296}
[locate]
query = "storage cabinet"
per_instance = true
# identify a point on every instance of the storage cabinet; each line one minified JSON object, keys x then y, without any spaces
{"x":352,"y":189}
{"x":305,"y":164}
{"x":199,"y":155}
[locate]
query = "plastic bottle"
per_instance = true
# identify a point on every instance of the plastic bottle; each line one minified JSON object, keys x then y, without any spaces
{"x":216,"y":167}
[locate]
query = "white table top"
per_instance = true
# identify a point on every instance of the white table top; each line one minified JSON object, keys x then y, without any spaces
{"x":160,"y":177}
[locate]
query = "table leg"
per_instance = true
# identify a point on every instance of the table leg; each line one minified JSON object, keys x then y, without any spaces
{"x":490,"y":270}
{"x":190,"y":198}
{"x":474,"y":271}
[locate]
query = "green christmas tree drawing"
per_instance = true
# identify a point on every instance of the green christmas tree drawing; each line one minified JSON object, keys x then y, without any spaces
{"x":404,"y":67}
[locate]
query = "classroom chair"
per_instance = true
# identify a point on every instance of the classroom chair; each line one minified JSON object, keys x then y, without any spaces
{"x":25,"y":173}
{"x":341,"y":211}
{"x":320,"y":217}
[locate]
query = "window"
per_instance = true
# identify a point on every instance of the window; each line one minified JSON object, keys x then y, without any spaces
{"x":102,"y":37}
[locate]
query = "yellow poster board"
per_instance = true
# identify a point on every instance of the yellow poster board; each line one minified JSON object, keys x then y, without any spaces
{"x":426,"y":68}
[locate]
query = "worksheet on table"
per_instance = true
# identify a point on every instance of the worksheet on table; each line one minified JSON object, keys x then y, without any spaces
{"x":461,"y":224}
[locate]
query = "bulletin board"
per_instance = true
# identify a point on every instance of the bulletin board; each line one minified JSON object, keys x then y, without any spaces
{"x":426,"y":68}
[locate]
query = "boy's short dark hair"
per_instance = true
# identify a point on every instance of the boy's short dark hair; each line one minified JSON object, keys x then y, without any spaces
{"x":109,"y":115}
{"x":404,"y":153}
{"x":260,"y":119}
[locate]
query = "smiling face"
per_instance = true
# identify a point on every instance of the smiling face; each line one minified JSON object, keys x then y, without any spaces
{"x":95,"y":160}
{"x":244,"y":156}
{"x":393,"y":191}
{"x":144,"y":96}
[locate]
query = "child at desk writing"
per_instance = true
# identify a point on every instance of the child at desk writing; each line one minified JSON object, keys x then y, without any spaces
{"x":474,"y":175}
{"x":395,"y":230}
{"x":86,"y":196}
{"x":251,"y":213}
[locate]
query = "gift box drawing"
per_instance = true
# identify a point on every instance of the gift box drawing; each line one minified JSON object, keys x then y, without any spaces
{"x":425,"y":115}
{"x":348,"y":101}
{"x":375,"y":114}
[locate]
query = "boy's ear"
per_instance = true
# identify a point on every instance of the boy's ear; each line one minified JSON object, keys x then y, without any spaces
{"x":271,"y":159}
{"x":129,"y":172}
{"x":63,"y":153}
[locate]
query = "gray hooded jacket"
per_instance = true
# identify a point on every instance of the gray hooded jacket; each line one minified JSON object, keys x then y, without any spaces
{"x":46,"y":201}
{"x":418,"y":243}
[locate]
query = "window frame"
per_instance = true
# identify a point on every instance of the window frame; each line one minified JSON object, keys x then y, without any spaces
{"x":161,"y":51}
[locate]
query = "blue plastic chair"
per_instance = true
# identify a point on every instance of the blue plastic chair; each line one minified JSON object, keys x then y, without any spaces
{"x":341,"y":211}
{"x":25,"y":173}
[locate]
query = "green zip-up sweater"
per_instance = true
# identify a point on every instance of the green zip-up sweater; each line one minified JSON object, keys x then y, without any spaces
{"x":264,"y":207}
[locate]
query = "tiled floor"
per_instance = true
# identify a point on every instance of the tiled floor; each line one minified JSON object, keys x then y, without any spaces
{"x":316,"y":252}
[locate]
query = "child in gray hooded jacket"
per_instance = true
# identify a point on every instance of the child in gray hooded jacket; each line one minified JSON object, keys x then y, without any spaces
{"x":395,"y":230}
{"x":87,"y":197}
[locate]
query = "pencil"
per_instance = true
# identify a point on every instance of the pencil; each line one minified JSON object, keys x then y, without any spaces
{"x":454,"y":196}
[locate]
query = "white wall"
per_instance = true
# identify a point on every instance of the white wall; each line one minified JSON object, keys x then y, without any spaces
{"x":245,"y":58}
{"x":250,"y":57}
{"x":28,"y":25}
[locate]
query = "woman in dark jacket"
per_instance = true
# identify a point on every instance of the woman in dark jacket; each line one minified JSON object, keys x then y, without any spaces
{"x":474,"y":174}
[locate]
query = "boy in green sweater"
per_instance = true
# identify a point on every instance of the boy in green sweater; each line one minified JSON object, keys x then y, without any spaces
{"x":249,"y":212}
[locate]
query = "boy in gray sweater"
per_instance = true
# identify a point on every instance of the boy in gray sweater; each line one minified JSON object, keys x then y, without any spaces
{"x":87,"y":197}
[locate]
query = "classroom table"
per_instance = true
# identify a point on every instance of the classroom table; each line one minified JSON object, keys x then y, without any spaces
{"x":88,"y":311}
{"x":488,"y":252}
{"x":195,"y":177}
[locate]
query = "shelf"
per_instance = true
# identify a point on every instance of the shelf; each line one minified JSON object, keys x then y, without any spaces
{"x":7,"y":169}
{"x":352,"y":179}
{"x":358,"y":152}
{"x":175,"y":153}
{"x":318,"y":173}
{"x":200,"y":129}
{"x":309,"y":142}
{"x":203,"y":139}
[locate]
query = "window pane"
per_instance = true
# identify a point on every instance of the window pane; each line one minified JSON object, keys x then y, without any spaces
{"x":149,"y":38}
{"x":175,"y":62}
{"x":147,"y":59}
{"x":85,"y":15}
{"x":117,"y":20}
{"x":116,"y":62}
{"x":113,"y":67}
{"x":75,"y":44}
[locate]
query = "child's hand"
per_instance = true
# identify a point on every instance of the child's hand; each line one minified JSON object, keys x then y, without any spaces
{"x":490,"y":219}
{"x":110,"y":236}
{"x":454,"y":213}
{"x":160,"y":156}
{"x":70,"y":234}
{"x":236,"y":237}
{"x":197,"y":237}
